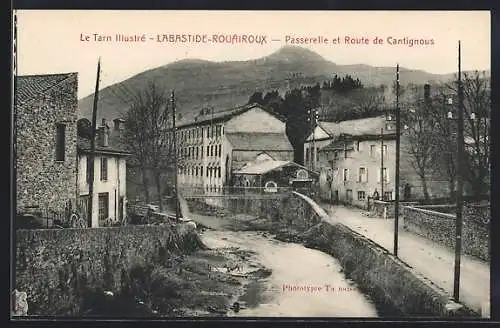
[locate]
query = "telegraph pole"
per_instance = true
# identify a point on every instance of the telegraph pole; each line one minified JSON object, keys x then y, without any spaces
{"x":382,"y":164}
{"x":92,"y":146}
{"x":396,"y":184}
{"x":459,"y":197}
{"x":177,"y":202}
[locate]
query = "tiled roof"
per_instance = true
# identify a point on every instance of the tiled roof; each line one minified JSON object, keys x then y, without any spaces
{"x":217,"y":116}
{"x":268,"y":166}
{"x":371,"y":125}
{"x":30,"y":86}
{"x":262,"y":167}
{"x":259,"y":141}
{"x":115,"y":144}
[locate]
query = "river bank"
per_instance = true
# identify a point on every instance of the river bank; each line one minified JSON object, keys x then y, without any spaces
{"x":205,"y":283}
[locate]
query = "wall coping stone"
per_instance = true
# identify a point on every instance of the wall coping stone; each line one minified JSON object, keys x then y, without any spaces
{"x":422,"y":210}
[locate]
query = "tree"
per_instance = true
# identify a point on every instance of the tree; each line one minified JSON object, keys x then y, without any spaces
{"x":256,"y":97}
{"x":445,"y":146}
{"x":477,"y":99}
{"x":148,"y":134}
{"x":367,"y":101}
{"x":420,"y":140}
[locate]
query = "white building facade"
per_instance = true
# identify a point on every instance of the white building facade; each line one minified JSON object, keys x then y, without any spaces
{"x":214,"y":145}
{"x":110,"y":175}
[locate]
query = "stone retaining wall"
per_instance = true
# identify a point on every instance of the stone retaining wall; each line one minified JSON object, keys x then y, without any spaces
{"x":440,"y":227}
{"x":55,"y":267}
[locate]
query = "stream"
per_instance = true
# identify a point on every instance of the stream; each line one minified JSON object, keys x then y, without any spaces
{"x":304,"y":282}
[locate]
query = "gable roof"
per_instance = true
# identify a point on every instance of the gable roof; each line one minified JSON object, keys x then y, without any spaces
{"x":261,"y":141}
{"x":28,"y":87}
{"x":262,"y":167}
{"x":218,"y":116}
{"x":363,"y":126}
{"x":268,"y":166}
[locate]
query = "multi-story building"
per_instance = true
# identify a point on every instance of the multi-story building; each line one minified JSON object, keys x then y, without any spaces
{"x":213,"y":145}
{"x":110,"y":175}
{"x":352,"y":167}
{"x":45,"y":115}
{"x":357,"y":163}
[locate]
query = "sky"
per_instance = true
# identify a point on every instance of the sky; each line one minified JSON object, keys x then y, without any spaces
{"x":60,"y":41}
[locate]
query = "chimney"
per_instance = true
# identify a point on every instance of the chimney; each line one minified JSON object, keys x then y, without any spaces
{"x":103,"y":136}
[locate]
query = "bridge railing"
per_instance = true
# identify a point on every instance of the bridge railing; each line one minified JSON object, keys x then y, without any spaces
{"x":232,"y":191}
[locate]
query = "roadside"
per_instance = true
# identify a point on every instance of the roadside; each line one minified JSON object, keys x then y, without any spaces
{"x":434,"y":261}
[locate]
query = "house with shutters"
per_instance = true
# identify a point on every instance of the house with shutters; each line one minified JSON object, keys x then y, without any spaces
{"x":213,"y":145}
{"x":110,"y":173}
{"x":358,"y":161}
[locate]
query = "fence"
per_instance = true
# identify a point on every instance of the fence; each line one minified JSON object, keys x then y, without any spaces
{"x":237,"y":192}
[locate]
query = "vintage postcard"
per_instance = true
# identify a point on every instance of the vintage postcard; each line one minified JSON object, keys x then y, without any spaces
{"x":251,"y":164}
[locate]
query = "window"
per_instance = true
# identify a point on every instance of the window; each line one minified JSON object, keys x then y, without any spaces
{"x":60,"y":142}
{"x":307,"y":155}
{"x":336,"y":155}
{"x":372,"y":150}
{"x":362,"y":176}
{"x":215,"y":150}
{"x":212,"y":150}
{"x":218,"y":172}
{"x":201,"y":171}
{"x":220,"y":150}
{"x":317,"y":154}
{"x":387,"y":195}
{"x":207,"y":172}
{"x":384,"y":174}
{"x":361,"y":195}
{"x":103,"y":205}
{"x":357,"y":145}
{"x":208,"y":150}
{"x":384,"y":150}
{"x":197,"y":152}
{"x":346,"y":174}
{"x":104,"y":169}
{"x":197,"y":171}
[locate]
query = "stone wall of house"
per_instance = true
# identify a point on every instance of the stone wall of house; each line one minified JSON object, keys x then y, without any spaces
{"x":40,"y":180}
{"x":56,"y":267}
{"x":440,"y":227}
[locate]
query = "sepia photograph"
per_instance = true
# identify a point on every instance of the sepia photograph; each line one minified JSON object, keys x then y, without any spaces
{"x":251,"y":164}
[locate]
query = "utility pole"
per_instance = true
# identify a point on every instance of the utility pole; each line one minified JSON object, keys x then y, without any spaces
{"x":459,"y":197}
{"x":92,"y":146}
{"x":314,"y":124}
{"x":174,"y":136}
{"x":396,"y":184}
{"x":382,"y":163}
